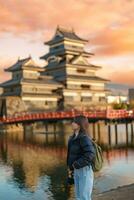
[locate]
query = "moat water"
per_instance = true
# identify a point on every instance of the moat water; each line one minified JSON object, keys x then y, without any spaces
{"x":33,"y":161}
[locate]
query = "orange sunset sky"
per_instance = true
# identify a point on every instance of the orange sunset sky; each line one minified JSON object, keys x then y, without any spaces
{"x":107,"y":24}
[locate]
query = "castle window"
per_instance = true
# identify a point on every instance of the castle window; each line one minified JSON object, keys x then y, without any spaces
{"x":84,"y":86}
{"x":34,"y":89}
{"x":79,"y":70}
{"x":73,"y":47}
{"x":69,"y":98}
{"x":17,"y":76}
{"x":55,"y":48}
{"x":46,"y":103}
{"x":102,"y":99}
{"x":86,"y":99}
{"x":49,"y":103}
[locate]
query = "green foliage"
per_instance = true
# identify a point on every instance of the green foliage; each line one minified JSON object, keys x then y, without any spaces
{"x":131,"y":105}
{"x":121,"y":105}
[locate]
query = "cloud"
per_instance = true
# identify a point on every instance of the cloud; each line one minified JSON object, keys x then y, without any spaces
{"x":108,"y":25}
{"x":30,"y":15}
{"x":123,"y":77}
{"x":115,"y":41}
{"x":4,"y":63}
{"x":115,"y":68}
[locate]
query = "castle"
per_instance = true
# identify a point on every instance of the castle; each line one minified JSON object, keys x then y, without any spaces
{"x":68,"y":81}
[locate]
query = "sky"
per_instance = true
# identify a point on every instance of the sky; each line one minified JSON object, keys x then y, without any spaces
{"x":108,"y":25}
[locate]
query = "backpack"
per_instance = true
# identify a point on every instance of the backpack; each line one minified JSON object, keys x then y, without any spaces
{"x":97,"y":162}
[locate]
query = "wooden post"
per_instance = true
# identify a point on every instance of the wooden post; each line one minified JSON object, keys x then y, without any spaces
{"x":132,"y":133}
{"x":116,"y":133}
{"x":109,"y":134}
{"x":126,"y":133}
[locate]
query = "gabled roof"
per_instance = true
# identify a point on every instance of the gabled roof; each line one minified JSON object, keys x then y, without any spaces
{"x":65,"y":52}
{"x":88,"y":78}
{"x":94,"y":78}
{"x":45,"y":80}
{"x":69,"y":34}
{"x":10,"y":82}
{"x":79,"y":59}
{"x":26,"y":62}
{"x":62,"y":33}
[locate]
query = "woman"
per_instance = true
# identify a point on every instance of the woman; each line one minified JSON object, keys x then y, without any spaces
{"x":79,"y":157}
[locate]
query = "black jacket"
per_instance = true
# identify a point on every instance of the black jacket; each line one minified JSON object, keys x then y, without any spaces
{"x":80,"y":151}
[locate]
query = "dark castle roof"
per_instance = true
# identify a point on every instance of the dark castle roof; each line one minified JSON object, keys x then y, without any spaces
{"x":46,"y":80}
{"x":92,"y":78}
{"x":21,"y":62}
{"x":62,"y":52}
{"x":69,"y":34}
{"x":96,"y":78}
{"x":62,"y":33}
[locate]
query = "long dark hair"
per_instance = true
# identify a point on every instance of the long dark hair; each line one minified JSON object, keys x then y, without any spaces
{"x":82,"y":121}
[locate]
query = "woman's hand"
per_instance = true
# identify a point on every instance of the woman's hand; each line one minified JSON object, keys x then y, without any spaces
{"x":70,"y":172}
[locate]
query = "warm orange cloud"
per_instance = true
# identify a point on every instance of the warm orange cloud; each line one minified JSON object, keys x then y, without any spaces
{"x":115,"y":41}
{"x":123,"y":77}
{"x":3,"y":64}
{"x":87,"y":15}
{"x":108,"y":25}
{"x":117,"y":68}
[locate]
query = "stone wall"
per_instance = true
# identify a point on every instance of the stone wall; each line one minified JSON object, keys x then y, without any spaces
{"x":15,"y":105}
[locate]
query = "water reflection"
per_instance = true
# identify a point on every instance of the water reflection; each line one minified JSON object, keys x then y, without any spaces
{"x":33,"y":161}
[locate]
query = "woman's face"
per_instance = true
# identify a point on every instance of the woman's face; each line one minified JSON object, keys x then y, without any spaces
{"x":75,"y":126}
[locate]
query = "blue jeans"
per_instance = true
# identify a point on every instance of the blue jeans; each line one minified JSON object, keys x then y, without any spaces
{"x":83,"y":183}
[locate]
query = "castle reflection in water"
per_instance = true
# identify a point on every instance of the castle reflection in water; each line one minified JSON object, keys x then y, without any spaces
{"x":36,"y":159}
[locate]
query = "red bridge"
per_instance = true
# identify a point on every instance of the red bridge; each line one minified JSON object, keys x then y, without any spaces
{"x":107,"y":114}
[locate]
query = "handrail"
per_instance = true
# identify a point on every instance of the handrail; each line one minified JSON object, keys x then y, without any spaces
{"x":104,"y":114}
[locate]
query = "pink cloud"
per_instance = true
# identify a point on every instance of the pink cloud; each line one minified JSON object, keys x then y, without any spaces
{"x":88,"y":17}
{"x":115,"y":41}
{"x":123,"y":77}
{"x":107,"y":24}
{"x":30,"y":15}
{"x":3,"y":64}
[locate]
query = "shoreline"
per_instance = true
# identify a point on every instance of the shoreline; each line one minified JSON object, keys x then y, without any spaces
{"x":119,"y":193}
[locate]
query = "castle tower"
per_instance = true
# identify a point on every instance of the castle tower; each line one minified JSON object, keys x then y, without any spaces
{"x":27,"y":90}
{"x":68,"y":64}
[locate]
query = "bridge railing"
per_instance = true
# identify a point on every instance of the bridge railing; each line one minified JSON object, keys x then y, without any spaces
{"x":104,"y":114}
{"x":111,"y":114}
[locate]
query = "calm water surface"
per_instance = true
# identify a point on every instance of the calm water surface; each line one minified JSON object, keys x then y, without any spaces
{"x":33,"y":161}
